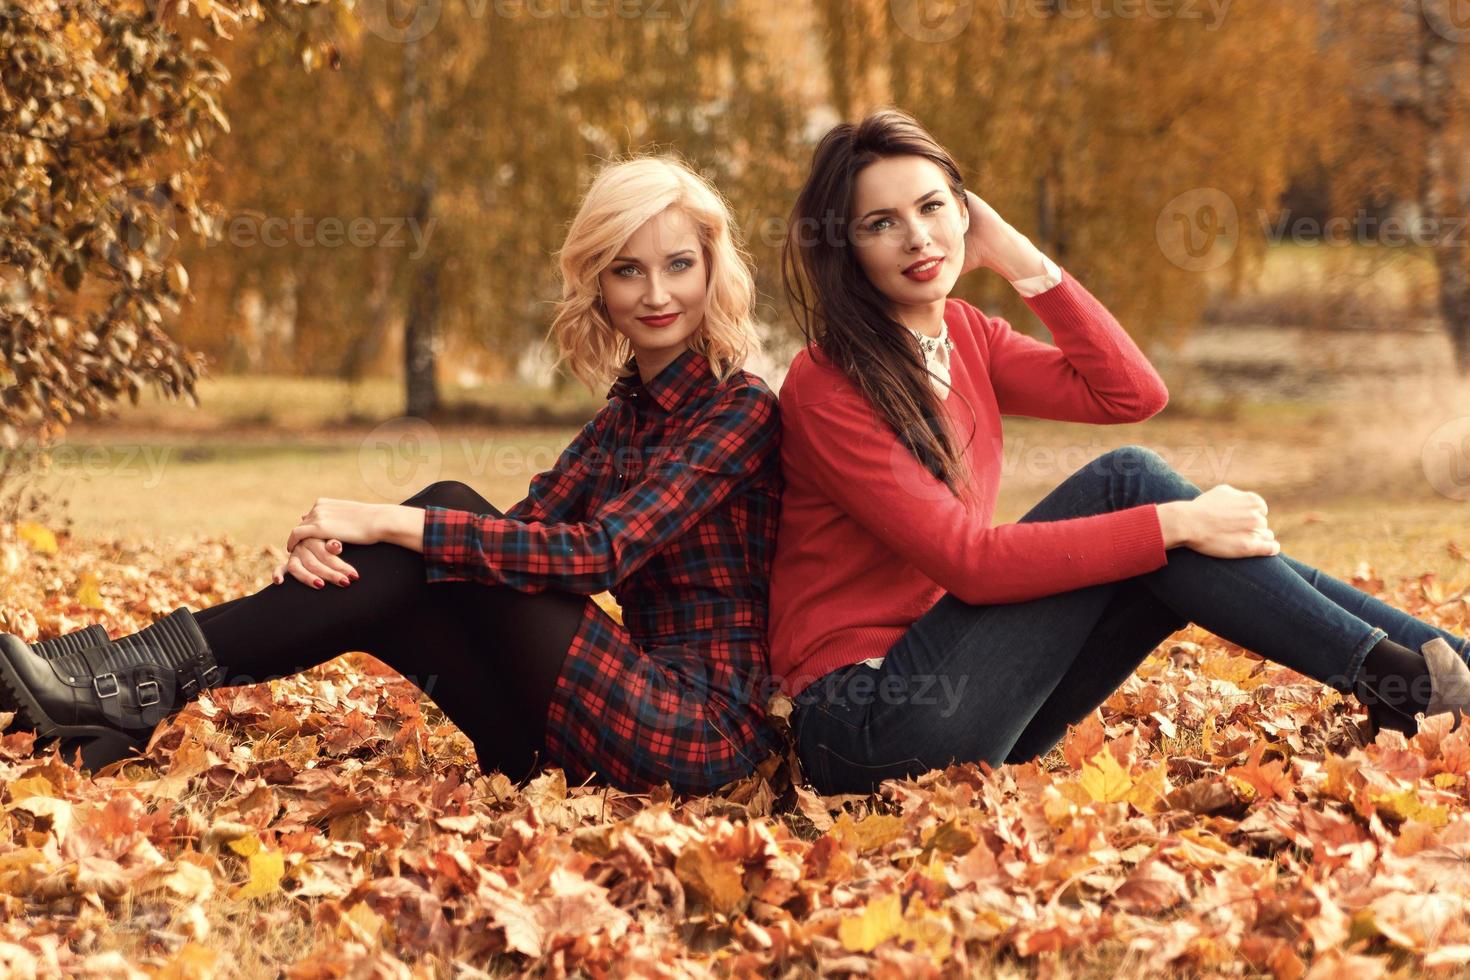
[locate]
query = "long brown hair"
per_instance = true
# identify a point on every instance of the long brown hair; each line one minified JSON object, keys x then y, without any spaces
{"x":840,"y":309}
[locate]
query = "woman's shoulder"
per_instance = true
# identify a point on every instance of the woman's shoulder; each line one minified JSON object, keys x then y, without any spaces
{"x":963,"y":317}
{"x":812,"y":378}
{"x":742,"y":389}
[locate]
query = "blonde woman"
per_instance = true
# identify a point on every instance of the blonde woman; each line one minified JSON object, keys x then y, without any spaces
{"x":667,"y":497}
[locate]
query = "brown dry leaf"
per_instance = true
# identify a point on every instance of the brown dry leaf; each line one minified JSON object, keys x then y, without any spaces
{"x":398,"y":854}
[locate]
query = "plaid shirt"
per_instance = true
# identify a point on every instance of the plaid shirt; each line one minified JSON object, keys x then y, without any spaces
{"x":668,"y":498}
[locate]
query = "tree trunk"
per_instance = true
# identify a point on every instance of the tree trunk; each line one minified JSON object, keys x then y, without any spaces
{"x":1436,"y":64}
{"x":1454,"y":302}
{"x":364,"y":346}
{"x":420,"y":359}
{"x":420,"y":356}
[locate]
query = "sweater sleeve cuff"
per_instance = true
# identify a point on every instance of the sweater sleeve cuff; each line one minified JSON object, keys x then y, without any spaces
{"x":449,"y":541}
{"x":1138,"y":541}
{"x":1066,"y":302}
{"x":1035,"y":285}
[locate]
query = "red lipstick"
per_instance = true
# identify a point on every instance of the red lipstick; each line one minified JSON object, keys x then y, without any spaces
{"x":925,"y":269}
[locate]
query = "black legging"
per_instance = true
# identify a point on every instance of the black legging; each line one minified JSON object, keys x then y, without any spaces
{"x":487,"y":655}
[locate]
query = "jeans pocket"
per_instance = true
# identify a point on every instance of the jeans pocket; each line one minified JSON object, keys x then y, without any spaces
{"x":843,"y":697}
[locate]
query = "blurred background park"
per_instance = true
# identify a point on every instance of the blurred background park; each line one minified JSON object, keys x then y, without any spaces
{"x":253,"y":252}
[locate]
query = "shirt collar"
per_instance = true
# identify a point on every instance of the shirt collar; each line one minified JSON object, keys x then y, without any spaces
{"x":943,"y":332}
{"x":683,"y":375}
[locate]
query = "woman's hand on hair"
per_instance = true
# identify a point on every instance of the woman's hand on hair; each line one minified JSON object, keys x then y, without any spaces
{"x":992,"y":243}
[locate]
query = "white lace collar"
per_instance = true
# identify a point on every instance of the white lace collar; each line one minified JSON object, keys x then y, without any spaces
{"x":936,"y":356}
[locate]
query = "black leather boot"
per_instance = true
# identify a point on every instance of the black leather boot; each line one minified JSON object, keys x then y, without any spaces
{"x":106,"y":697}
{"x":72,"y":642}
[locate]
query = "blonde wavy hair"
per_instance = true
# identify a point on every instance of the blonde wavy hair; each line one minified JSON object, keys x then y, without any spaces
{"x":623,"y":195}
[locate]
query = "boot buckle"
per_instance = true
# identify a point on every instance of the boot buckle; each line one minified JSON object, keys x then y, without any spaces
{"x":109,"y":680}
{"x":152,"y":688}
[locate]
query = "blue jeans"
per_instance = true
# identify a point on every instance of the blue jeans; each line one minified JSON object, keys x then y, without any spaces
{"x":1002,"y":682}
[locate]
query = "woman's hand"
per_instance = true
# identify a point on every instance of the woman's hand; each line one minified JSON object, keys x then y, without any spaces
{"x":992,"y":243}
{"x":1222,"y":522}
{"x":314,"y":561}
{"x":349,"y":521}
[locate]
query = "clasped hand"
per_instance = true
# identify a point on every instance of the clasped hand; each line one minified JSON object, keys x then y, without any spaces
{"x":314,"y":545}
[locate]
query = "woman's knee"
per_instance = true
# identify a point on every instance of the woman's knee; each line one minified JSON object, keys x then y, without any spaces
{"x":1156,"y":479}
{"x":452,"y":494}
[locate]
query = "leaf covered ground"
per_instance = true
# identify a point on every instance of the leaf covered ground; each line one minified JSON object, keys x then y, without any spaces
{"x":1218,"y":815}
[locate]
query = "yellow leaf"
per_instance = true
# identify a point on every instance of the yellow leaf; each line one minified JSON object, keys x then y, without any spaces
{"x":950,"y":837}
{"x":21,"y":858}
{"x":609,"y":605}
{"x":19,"y":789}
{"x":870,"y":833}
{"x":267,"y":868}
{"x":38,"y":536}
{"x":245,"y":846}
{"x":718,"y":880}
{"x":1104,"y":780}
{"x":879,"y":921}
{"x":928,"y":930}
{"x":88,"y":593}
{"x":1149,"y":790}
{"x":1208,"y":734}
{"x":1406,"y":805}
{"x":1236,"y":670}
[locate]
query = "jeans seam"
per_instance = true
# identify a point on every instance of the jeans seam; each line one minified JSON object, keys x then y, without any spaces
{"x":1355,"y":663}
{"x":1359,"y":654}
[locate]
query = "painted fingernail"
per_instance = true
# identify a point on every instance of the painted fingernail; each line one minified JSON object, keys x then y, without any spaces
{"x":319,"y":582}
{"x":342,"y":582}
{"x":354,"y":576}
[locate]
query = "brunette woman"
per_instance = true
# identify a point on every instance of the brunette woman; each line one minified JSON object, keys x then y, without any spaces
{"x":667,"y":497}
{"x":911,"y":629}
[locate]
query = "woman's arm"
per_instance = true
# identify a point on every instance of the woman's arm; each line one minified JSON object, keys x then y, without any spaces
{"x":554,"y":494}
{"x":557,"y":493}
{"x":1096,"y":373}
{"x":719,"y":456}
{"x":837,"y":441}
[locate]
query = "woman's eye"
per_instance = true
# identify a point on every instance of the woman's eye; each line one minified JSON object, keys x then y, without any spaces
{"x":679,"y":265}
{"x":928,"y":204}
{"x":878,"y":225}
{"x":626,"y":268}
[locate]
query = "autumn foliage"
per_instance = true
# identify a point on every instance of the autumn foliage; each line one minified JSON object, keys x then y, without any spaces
{"x":1218,"y":813}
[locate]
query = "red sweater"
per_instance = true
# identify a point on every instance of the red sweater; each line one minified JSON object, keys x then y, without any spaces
{"x":868,"y":540}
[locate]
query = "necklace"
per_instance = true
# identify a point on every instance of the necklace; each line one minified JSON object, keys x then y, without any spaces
{"x":930,"y":345}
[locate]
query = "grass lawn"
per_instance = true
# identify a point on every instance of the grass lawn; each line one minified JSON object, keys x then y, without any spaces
{"x":251,"y":486}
